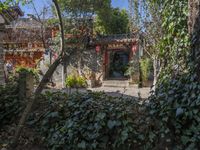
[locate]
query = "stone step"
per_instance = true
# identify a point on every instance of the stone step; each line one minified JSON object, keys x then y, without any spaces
{"x":115,"y":83}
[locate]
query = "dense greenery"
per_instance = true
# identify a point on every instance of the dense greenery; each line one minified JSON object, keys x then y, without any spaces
{"x":5,"y":4}
{"x":107,"y":20}
{"x":170,"y":120}
{"x":30,"y":71}
{"x":132,"y":67}
{"x":81,"y":8}
{"x":10,"y":105}
{"x":145,"y":65}
{"x":75,"y":81}
{"x":91,"y":121}
{"x":174,"y":45}
{"x":175,"y":106}
{"x":115,"y":22}
{"x":81,"y":13}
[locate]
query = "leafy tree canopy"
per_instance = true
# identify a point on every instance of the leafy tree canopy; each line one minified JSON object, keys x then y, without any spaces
{"x":80,"y":8}
{"x":108,"y":20}
{"x":116,"y":21}
{"x":6,"y":3}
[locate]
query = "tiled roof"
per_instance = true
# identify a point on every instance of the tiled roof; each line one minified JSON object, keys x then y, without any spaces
{"x":117,"y":38}
{"x":24,"y":50}
{"x":26,"y":23}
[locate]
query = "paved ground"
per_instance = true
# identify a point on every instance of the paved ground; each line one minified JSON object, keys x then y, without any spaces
{"x":127,"y":92}
{"x":117,"y":91}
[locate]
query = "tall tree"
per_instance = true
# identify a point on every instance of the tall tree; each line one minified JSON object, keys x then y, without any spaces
{"x":115,"y":22}
{"x":69,"y":10}
{"x":45,"y":78}
{"x":167,"y":36}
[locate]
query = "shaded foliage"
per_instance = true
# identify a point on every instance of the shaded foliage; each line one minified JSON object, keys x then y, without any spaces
{"x":174,"y":46}
{"x":10,"y":104}
{"x":115,"y":22}
{"x":27,"y":70}
{"x":145,"y":64}
{"x":175,"y":106}
{"x":92,"y":121}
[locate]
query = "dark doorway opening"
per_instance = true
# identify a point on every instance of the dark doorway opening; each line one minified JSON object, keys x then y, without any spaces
{"x":118,"y":64}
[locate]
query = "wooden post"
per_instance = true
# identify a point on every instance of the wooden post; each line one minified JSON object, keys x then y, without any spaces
{"x":26,"y":82}
{"x":29,"y":85}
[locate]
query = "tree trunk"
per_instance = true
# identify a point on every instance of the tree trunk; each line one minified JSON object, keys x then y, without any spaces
{"x":140,"y":85}
{"x":45,"y":78}
{"x":30,"y":103}
{"x":194,"y":30}
{"x":156,"y":71}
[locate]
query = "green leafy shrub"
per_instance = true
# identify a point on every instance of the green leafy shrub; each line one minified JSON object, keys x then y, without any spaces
{"x":70,"y":81}
{"x":75,"y":81}
{"x":92,"y":121}
{"x":32,"y":71}
{"x":10,"y":105}
{"x":80,"y":81}
{"x":132,"y":68}
{"x":175,"y":109}
{"x":145,"y":68}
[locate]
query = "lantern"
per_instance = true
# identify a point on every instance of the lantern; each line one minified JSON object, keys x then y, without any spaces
{"x":134,"y":48}
{"x":98,"y":48}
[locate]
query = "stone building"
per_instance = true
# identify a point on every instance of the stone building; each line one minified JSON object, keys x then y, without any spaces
{"x":100,"y":59}
{"x":108,"y":59}
{"x":6,"y":16}
{"x":104,"y":59}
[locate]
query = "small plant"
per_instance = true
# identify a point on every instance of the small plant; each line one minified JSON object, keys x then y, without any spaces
{"x":70,"y":81}
{"x":89,"y":74}
{"x":80,"y":81}
{"x":132,"y":68}
{"x":75,"y":81}
{"x":145,"y":68}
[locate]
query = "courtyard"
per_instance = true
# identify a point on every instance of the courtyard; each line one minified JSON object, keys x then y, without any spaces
{"x":99,"y":75}
{"x":125,"y":92}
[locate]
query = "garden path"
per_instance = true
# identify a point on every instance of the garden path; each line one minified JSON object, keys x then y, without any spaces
{"x":114,"y":91}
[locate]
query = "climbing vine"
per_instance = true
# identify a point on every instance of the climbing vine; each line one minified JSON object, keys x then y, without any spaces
{"x":175,"y":102}
{"x":174,"y":46}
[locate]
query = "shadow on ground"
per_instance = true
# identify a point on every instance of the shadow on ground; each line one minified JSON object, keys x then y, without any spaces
{"x":130,"y":93}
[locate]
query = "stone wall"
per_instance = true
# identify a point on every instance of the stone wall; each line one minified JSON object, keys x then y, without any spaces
{"x":26,"y":82}
{"x":85,"y":60}
{"x":84,"y":63}
{"x":79,"y":62}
